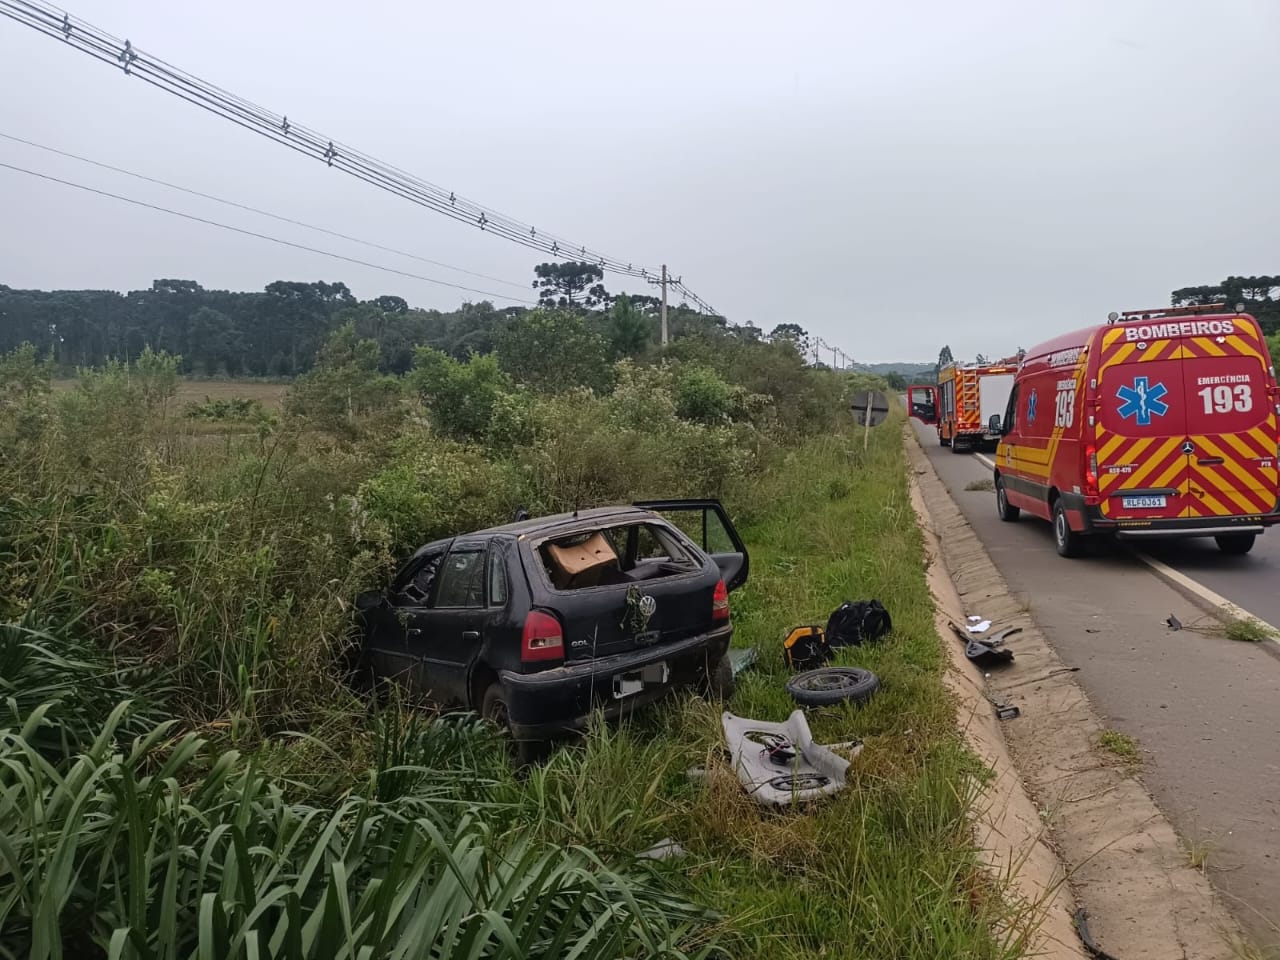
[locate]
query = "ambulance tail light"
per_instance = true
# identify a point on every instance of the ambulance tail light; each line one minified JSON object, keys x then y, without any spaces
{"x":1091,"y":471}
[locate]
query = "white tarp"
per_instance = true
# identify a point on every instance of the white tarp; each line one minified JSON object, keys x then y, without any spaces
{"x":812,"y":772}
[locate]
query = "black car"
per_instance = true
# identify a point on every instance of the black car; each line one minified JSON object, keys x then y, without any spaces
{"x":539,"y":623}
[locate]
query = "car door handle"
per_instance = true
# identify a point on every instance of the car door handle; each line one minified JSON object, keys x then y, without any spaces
{"x":413,"y":632}
{"x":471,"y":636}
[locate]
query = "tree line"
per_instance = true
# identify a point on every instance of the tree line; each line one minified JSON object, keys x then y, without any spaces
{"x":277,"y":332}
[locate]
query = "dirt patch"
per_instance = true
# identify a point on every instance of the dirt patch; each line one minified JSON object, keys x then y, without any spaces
{"x":1124,"y":862}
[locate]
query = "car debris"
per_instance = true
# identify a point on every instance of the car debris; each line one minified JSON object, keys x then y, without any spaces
{"x":740,"y":660}
{"x":1004,"y":709}
{"x":827,"y":686}
{"x":978,"y":625}
{"x":1173,"y":622}
{"x":779,"y":764}
{"x":806,"y":648}
{"x":985,"y":653}
{"x":667,"y":849}
{"x":1082,"y":929}
{"x":540,"y":623}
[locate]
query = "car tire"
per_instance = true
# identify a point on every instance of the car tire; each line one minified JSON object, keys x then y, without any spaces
{"x":1068,"y":542}
{"x":1235,"y":544}
{"x":1008,"y":513}
{"x":493,"y":707}
{"x":720,"y":683}
{"x":831,"y":685}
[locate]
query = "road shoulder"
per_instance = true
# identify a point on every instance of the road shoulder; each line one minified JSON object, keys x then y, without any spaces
{"x":1123,"y":860}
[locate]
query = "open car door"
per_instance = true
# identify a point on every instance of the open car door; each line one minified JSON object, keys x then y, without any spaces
{"x":707,"y":524}
{"x":922,"y":403}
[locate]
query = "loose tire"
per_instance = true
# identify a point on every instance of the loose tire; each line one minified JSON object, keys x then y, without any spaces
{"x":1007,"y":512}
{"x":720,"y":683}
{"x":830,"y":685}
{"x":493,"y":707}
{"x":1236,"y":544}
{"x":1068,"y":542}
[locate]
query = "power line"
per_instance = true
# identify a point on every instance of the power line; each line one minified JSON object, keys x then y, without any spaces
{"x":261,"y":236}
{"x":264,"y":213}
{"x":57,"y":23}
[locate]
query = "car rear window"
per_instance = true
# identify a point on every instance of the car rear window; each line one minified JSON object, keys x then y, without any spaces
{"x":618,"y":554}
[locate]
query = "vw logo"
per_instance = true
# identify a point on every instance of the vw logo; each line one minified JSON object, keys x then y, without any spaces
{"x":648,"y":606}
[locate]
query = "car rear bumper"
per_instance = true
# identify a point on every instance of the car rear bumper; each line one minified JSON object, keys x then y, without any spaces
{"x":559,"y":702}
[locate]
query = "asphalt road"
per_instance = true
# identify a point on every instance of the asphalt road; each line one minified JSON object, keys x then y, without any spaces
{"x":1205,"y":710}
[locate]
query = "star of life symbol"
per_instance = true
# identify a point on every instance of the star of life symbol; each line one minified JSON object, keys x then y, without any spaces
{"x":1142,"y":401}
{"x":1031,"y":408}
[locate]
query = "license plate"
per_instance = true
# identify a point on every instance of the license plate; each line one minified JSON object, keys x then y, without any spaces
{"x":1143,"y":503}
{"x":628,"y":684}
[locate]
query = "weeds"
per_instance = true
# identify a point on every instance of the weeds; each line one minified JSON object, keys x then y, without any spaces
{"x":1120,"y":744}
{"x":985,"y":484}
{"x":182,"y":771}
{"x":1247,"y":630}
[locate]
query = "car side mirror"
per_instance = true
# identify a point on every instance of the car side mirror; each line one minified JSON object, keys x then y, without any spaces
{"x":994,"y":423}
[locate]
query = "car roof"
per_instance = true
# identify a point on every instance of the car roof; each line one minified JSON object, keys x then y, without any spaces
{"x":579,"y":519}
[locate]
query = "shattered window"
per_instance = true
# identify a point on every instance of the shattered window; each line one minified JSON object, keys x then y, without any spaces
{"x":462,"y":580}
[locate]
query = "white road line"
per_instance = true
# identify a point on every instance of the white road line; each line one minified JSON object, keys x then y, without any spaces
{"x":1231,"y":610}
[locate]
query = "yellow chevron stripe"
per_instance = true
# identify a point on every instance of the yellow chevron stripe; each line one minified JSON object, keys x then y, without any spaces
{"x":1209,"y":347}
{"x":1229,"y":463}
{"x":1141,"y":478}
{"x":1247,"y":349}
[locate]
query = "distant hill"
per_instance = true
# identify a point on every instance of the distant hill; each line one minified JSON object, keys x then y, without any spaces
{"x":906,"y":369}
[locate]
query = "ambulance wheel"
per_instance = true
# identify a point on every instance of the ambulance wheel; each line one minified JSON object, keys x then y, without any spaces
{"x":1236,"y":544}
{"x":1007,"y":512}
{"x":1069,"y":543}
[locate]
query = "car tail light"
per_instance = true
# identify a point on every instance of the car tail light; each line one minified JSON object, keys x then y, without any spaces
{"x":543,"y":638}
{"x":1091,"y":471}
{"x":720,"y":602}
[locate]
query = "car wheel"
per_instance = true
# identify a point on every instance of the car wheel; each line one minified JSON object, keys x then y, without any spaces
{"x":493,"y":707}
{"x":1007,"y":513}
{"x":1236,"y":544}
{"x":830,"y":685}
{"x":1068,"y":542}
{"x":720,"y":683}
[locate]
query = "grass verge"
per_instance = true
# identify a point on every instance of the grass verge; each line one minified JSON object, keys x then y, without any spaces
{"x":888,"y":866}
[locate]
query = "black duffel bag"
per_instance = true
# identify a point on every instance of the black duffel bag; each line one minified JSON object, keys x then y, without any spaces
{"x":855,"y":621}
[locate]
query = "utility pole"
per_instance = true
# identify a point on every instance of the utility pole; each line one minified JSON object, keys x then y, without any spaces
{"x":664,"y":304}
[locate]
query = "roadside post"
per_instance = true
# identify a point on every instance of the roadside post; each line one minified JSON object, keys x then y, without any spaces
{"x":871,"y":407}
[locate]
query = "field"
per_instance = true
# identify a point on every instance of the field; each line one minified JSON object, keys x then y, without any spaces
{"x":188,"y":773}
{"x":270,"y":394}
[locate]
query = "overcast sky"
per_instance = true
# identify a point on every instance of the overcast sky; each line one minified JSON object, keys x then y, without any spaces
{"x":891,"y":177}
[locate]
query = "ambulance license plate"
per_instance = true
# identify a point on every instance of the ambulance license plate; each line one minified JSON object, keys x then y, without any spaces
{"x":1143,"y":503}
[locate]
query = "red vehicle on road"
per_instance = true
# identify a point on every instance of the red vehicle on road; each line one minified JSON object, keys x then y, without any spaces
{"x":1159,"y":423}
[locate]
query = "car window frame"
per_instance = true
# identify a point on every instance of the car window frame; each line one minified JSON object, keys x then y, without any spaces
{"x":484,"y":549}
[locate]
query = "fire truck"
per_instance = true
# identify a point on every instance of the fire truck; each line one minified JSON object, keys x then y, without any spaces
{"x":967,"y":404}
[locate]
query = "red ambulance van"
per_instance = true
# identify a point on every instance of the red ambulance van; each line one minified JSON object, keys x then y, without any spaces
{"x":1160,"y":423}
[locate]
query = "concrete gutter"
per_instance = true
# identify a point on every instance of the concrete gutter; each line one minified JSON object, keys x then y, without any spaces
{"x":1116,"y":854}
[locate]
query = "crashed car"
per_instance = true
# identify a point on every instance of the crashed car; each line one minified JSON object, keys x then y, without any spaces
{"x":539,"y":623}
